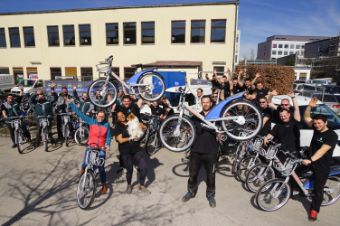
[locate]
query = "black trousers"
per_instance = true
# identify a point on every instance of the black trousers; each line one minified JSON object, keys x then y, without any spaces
{"x":320,"y":175}
{"x":196,"y":160}
{"x":138,"y":159}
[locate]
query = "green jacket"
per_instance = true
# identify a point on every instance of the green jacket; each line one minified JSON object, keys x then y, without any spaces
{"x":43,"y":109}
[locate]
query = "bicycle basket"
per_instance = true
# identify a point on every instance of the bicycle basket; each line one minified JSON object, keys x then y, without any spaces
{"x":92,"y":157}
{"x":257,"y":145}
{"x":103,"y":68}
{"x":271,"y":152}
{"x":286,"y":168}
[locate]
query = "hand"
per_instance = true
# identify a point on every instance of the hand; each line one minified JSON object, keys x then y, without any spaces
{"x":273,"y":93}
{"x":306,"y":162}
{"x":265,"y":141}
{"x":74,"y":87}
{"x":53,"y":85}
{"x":291,"y":94}
{"x":258,"y":75}
{"x":312,"y":103}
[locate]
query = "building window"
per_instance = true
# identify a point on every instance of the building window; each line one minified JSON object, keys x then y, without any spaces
{"x":292,"y":46}
{"x":4,"y":70}
{"x":112,"y":36}
{"x":115,"y":70}
{"x":32,"y":72}
{"x":178,"y":31}
{"x":274,"y":45}
{"x":84,"y":34}
{"x":280,"y":45}
{"x":53,"y":35}
{"x":285,"y":53}
{"x":55,"y":72}
{"x":29,"y":36}
{"x":197,"y":31}
{"x":68,"y":31}
{"x":18,"y":74}
{"x":274,"y":52}
{"x":286,"y":46}
{"x":297,"y":46}
{"x":148,"y":32}
{"x":14,"y":36}
{"x":2,"y":37}
{"x":71,"y":72}
{"x":129,"y":33}
{"x":128,"y":72}
{"x":218,"y":30}
{"x":219,"y":70}
{"x":291,"y":52}
{"x":279,"y":52}
{"x":86,"y":73}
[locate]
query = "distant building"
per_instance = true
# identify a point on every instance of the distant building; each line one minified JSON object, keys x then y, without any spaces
{"x":277,"y":46}
{"x":323,"y":48}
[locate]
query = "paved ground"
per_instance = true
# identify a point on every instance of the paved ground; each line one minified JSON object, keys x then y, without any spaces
{"x":38,"y":188}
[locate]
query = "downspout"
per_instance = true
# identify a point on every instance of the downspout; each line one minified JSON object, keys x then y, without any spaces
{"x":235,"y":33}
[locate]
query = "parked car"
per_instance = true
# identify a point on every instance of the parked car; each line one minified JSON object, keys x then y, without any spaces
{"x":331,"y":100}
{"x":306,"y":133}
{"x":305,"y":89}
{"x":320,"y":81}
{"x":6,"y":82}
{"x":29,"y":85}
{"x":332,"y":89}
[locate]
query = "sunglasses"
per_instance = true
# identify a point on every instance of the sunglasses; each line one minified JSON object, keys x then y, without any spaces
{"x":284,"y":104}
{"x":263,"y":102}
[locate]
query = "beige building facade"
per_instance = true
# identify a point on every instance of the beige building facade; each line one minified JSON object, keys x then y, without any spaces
{"x":195,"y":37}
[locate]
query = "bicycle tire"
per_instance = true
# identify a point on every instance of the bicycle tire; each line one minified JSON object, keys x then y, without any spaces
{"x":187,"y":143}
{"x":265,"y":194}
{"x":235,"y":127}
{"x":66,"y":133}
{"x":181,"y":169}
{"x":45,"y":138}
{"x":161,"y":83}
{"x":92,"y":90}
{"x":151,"y":146}
{"x":238,"y":157}
{"x":19,"y":140}
{"x":331,"y":192}
{"x":81,"y":140}
{"x":257,"y":176}
{"x":246,"y":163}
{"x":89,"y":177}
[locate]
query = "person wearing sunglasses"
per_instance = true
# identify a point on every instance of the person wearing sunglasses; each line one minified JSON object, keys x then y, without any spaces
{"x":266,"y":113}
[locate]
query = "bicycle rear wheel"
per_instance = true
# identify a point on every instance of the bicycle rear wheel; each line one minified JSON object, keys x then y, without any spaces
{"x":273,"y":195}
{"x":151,"y":86}
{"x":86,"y":190}
{"x":245,"y":165}
{"x":258,"y":175}
{"x":177,"y":134}
{"x":81,"y":136}
{"x":331,"y":191}
{"x":66,"y":135}
{"x":246,"y":122}
{"x":45,"y":138}
{"x":102,"y":93}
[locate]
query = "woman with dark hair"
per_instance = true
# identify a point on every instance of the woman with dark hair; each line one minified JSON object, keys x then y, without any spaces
{"x":130,"y":153}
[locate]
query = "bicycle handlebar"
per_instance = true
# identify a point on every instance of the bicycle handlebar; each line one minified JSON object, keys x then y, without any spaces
{"x":40,"y":117}
{"x":67,"y":113}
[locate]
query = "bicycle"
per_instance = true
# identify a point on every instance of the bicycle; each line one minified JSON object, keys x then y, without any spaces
{"x":151,"y":141}
{"x":275,"y":193}
{"x":81,"y":135}
{"x":66,"y":120}
{"x":44,"y":123}
{"x":239,"y":119}
{"x":148,"y":84}
{"x":19,"y":135}
{"x":87,"y":184}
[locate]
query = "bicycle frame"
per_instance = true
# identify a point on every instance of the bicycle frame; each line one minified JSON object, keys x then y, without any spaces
{"x":93,"y":161}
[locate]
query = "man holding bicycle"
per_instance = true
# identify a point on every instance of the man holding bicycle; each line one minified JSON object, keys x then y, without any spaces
{"x":99,"y":137}
{"x":203,"y":152}
{"x":322,"y":146}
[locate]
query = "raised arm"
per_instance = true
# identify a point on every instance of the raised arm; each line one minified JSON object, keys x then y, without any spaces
{"x":307,"y":116}
{"x":270,"y":100}
{"x":297,"y":115}
{"x":84,"y":117}
{"x":75,"y":93}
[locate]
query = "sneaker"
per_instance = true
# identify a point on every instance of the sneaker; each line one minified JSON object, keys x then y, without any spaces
{"x":187,"y":196}
{"x":103,"y":190}
{"x":212,"y":202}
{"x":129,"y":189}
{"x":313,"y":215}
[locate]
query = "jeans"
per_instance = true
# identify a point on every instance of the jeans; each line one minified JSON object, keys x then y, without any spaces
{"x":101,"y":169}
{"x":196,"y":160}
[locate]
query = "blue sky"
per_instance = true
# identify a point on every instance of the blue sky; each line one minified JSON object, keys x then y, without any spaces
{"x":257,"y":18}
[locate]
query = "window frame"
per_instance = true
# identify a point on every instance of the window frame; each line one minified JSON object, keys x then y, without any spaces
{"x":111,"y":30}
{"x":200,"y":28}
{"x":82,"y":41}
{"x":10,"y":30}
{"x":64,"y":36}
{"x":178,"y":28}
{"x":55,"y":34}
{"x":3,"y":37}
{"x":148,"y":29}
{"x":212,"y":28}
{"x":26,"y":33}
{"x":125,"y":29}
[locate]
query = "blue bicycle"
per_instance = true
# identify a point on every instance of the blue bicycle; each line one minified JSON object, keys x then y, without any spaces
{"x":236,"y":117}
{"x":148,"y":84}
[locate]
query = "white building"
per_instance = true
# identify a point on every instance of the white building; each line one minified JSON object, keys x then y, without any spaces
{"x":195,"y":37}
{"x":277,"y":46}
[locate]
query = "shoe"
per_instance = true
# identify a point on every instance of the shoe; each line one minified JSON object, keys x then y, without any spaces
{"x":103,"y":190}
{"x":313,"y":215}
{"x":14,"y":146}
{"x":144,"y":190}
{"x":129,"y":189}
{"x":187,"y":196}
{"x":212,"y":202}
{"x":82,"y":171}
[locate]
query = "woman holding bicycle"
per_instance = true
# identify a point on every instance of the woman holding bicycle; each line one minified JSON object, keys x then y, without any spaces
{"x":130,"y":153}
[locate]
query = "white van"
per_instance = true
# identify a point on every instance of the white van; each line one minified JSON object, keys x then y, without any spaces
{"x":29,"y":86}
{"x":306,"y":133}
{"x":6,"y":82}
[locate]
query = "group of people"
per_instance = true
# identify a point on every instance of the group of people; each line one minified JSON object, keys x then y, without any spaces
{"x":204,"y":150}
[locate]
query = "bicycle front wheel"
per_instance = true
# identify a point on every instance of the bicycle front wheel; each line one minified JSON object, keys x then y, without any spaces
{"x":102,"y":93}
{"x":151,"y":86}
{"x":177,"y":134}
{"x":86,"y":190}
{"x":273,"y":195}
{"x":258,"y":175}
{"x":246,"y":164}
{"x":81,"y":136}
{"x":331,"y":191}
{"x":44,"y":135}
{"x":243,"y":120}
{"x":19,"y":140}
